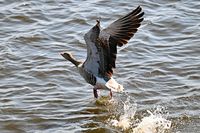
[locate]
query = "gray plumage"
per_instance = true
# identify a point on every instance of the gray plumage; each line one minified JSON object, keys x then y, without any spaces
{"x":97,"y":69}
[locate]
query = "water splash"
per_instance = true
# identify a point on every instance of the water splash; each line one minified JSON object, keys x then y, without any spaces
{"x":126,"y":108}
{"x":155,"y":122}
{"x":126,"y":115}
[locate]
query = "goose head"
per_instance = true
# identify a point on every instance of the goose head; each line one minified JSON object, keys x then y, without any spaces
{"x":69,"y":57}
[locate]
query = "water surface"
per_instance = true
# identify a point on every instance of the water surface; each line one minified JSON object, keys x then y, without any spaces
{"x":41,"y":92}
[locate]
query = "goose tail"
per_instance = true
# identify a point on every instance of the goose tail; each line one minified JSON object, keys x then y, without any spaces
{"x":114,"y":86}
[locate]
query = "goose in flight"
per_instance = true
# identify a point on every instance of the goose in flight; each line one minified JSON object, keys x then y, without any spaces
{"x":97,"y":69}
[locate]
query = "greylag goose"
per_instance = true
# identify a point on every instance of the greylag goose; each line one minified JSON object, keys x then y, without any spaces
{"x":97,"y":69}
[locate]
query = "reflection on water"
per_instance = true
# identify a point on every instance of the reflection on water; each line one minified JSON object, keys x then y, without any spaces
{"x":160,"y":67}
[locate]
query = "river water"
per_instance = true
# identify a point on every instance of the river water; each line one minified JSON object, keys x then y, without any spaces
{"x":40,"y":92}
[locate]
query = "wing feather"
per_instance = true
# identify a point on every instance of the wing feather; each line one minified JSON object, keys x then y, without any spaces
{"x":123,"y":29}
{"x":117,"y":34}
{"x":91,"y":63}
{"x":102,"y":45}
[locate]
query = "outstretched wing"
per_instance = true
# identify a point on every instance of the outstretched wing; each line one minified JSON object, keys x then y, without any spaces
{"x":117,"y":34}
{"x":123,"y":29}
{"x":92,"y":61}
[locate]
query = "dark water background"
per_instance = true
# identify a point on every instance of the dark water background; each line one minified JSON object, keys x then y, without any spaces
{"x":41,"y":92}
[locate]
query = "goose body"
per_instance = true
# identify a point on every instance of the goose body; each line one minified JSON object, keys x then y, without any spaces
{"x":97,"y":69}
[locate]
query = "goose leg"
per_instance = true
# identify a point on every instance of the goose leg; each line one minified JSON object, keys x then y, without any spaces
{"x":111,"y":94}
{"x":95,"y":92}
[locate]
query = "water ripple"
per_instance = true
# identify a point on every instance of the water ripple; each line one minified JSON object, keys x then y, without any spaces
{"x":41,"y":92}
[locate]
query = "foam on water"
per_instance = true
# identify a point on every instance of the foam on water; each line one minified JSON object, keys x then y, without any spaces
{"x":126,"y":115}
{"x":155,"y":122}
